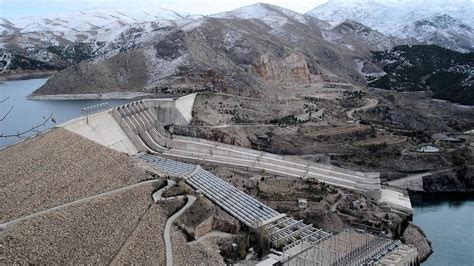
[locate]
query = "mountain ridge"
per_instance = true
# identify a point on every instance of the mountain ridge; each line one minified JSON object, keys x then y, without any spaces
{"x":442,"y":23}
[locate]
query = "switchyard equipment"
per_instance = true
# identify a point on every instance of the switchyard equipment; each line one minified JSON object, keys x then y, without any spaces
{"x":283,"y":232}
{"x":300,"y":243}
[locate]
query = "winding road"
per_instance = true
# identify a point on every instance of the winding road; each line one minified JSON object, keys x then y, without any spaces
{"x":371,"y":103}
{"x":157,"y":196}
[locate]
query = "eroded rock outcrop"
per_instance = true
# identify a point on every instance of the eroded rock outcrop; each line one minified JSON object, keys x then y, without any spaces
{"x":292,"y":67}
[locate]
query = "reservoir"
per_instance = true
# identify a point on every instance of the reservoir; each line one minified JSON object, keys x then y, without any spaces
{"x":448,"y":221}
{"x":26,"y":114}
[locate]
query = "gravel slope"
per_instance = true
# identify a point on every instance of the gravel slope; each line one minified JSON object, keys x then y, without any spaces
{"x":146,"y":244}
{"x":198,"y":253}
{"x":56,"y":168}
{"x":86,"y":233}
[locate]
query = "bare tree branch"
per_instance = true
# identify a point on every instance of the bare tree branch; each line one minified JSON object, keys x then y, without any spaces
{"x":11,"y":108}
{"x":33,"y":129}
{"x":5,"y":99}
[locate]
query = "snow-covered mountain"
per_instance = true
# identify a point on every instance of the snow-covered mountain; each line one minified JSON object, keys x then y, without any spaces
{"x":357,"y":36}
{"x":83,"y":26}
{"x":57,"y":41}
{"x":279,"y":20}
{"x":283,"y":22}
{"x":274,"y":16}
{"x":445,"y":23}
{"x":64,"y":39}
{"x":254,"y":50}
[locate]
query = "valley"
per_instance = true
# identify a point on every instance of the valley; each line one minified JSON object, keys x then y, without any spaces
{"x":252,"y":136}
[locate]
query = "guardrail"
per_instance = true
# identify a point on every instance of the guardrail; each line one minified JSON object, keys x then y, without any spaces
{"x":93,"y":109}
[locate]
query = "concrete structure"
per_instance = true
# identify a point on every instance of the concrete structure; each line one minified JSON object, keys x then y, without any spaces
{"x":411,"y":182}
{"x":404,"y":255}
{"x":140,"y":127}
{"x":243,"y":207}
{"x":428,"y":149}
{"x":102,"y":128}
{"x":302,"y":204}
{"x":268,"y":262}
{"x":300,"y":243}
{"x":396,"y":200}
{"x":173,"y":111}
{"x":144,"y":121}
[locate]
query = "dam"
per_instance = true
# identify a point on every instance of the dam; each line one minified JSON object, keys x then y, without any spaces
{"x":139,"y":129}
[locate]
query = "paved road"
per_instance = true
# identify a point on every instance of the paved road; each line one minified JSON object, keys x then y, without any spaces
{"x":167,"y":232}
{"x":4,"y":225}
{"x":157,"y":195}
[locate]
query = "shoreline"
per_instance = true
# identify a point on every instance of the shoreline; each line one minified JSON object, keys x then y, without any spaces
{"x":418,"y":197}
{"x":27,"y":75}
{"x":90,"y":96}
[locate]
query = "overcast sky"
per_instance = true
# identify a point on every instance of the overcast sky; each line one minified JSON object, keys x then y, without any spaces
{"x":23,"y":8}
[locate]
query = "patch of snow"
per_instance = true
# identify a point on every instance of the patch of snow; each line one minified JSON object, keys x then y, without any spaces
{"x":160,"y":68}
{"x":360,"y":66}
{"x":351,"y":47}
{"x":273,"y":16}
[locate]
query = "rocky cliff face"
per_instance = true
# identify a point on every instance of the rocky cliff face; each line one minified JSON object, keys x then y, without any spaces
{"x":289,"y":68}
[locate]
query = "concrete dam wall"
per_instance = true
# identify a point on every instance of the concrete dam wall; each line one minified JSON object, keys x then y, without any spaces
{"x":141,"y":129}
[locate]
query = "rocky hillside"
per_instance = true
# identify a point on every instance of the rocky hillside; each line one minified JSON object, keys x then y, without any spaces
{"x":83,"y":26}
{"x":357,"y":36}
{"x":448,"y":74}
{"x":257,"y":46}
{"x":256,"y":50}
{"x":444,"y":23}
{"x":52,"y":57}
{"x":58,"y":41}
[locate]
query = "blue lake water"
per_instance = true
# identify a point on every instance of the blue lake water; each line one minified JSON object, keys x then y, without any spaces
{"x":448,"y":221}
{"x":26,"y":114}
